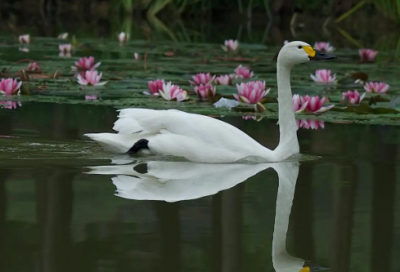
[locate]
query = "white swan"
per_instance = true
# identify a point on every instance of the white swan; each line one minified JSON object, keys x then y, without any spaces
{"x":203,"y":139}
{"x":177,"y":181}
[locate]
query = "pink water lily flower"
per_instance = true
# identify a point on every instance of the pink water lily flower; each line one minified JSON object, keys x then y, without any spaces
{"x":223,"y":80}
{"x":65,"y":50}
{"x":315,"y":104}
{"x":91,"y":97}
{"x":91,"y":78}
{"x":33,"y":67}
{"x":202,"y":78}
{"x":353,"y":97}
{"x":323,"y":76}
{"x":367,"y":55}
{"x":310,"y":124}
{"x":298,"y":106}
{"x":230,"y":45}
{"x":123,"y":37}
{"x":155,"y":86}
{"x":170,"y":92}
{"x":9,"y":86}
{"x":24,"y":49}
{"x":136,"y":56}
{"x":85,"y":64}
{"x":10,"y":105}
{"x":26,"y":39}
{"x":243,"y":72}
{"x":251,"y":92}
{"x":376,"y":87}
{"x":205,"y":90}
{"x":324,"y":46}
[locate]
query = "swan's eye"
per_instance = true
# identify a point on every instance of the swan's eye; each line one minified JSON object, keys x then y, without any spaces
{"x":299,"y":47}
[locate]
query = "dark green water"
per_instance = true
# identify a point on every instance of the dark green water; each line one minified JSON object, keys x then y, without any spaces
{"x":54,"y":217}
{"x":341,"y":211}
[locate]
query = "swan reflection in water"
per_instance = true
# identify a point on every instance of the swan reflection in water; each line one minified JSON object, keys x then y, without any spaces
{"x":177,"y":181}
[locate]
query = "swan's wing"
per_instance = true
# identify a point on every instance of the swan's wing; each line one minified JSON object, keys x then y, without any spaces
{"x":194,"y":126}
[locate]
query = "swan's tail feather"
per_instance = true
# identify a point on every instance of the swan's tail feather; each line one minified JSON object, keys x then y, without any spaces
{"x":127,"y":125}
{"x":118,"y":143}
{"x":141,"y":120}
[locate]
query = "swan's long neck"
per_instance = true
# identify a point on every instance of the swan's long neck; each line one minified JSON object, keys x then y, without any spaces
{"x":288,"y":143}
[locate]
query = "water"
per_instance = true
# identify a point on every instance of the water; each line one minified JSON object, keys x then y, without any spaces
{"x":63,"y":208}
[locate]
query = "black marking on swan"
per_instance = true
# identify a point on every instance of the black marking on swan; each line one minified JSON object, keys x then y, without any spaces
{"x":141,"y":144}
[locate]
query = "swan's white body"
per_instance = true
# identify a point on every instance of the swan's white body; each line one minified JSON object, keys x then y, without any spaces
{"x":199,"y":138}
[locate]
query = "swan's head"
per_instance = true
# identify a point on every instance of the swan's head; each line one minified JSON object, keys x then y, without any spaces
{"x":300,"y":52}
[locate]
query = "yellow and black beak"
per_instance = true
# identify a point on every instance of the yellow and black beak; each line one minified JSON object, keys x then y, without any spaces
{"x":317,"y":55}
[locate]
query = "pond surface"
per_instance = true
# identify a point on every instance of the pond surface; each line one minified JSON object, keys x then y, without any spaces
{"x":66,"y":205}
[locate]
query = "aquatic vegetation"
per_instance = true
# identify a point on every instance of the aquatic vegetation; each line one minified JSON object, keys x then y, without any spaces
{"x":63,"y":36}
{"x":230,"y":45}
{"x":324,"y":46}
{"x":123,"y":37}
{"x":310,"y":124}
{"x":376,"y":87}
{"x":298,"y":107}
{"x":54,"y":77}
{"x":223,"y":80}
{"x":243,"y":72}
{"x":91,"y":78}
{"x":171,"y":92}
{"x":323,"y":76}
{"x":33,"y":67}
{"x":85,"y":64}
{"x":251,"y":92}
{"x":24,"y":39}
{"x":202,"y":78}
{"x":352,"y":97}
{"x":154,"y":87}
{"x":65,"y":50}
{"x":315,"y":104}
{"x":136,"y":56}
{"x":9,"y":86}
{"x":367,"y":55}
{"x":205,"y":90}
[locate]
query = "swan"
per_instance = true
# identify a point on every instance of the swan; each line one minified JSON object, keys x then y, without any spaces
{"x":180,"y":181}
{"x":204,"y":139}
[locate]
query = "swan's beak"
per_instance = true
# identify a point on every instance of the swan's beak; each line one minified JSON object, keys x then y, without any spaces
{"x":321,"y":56}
